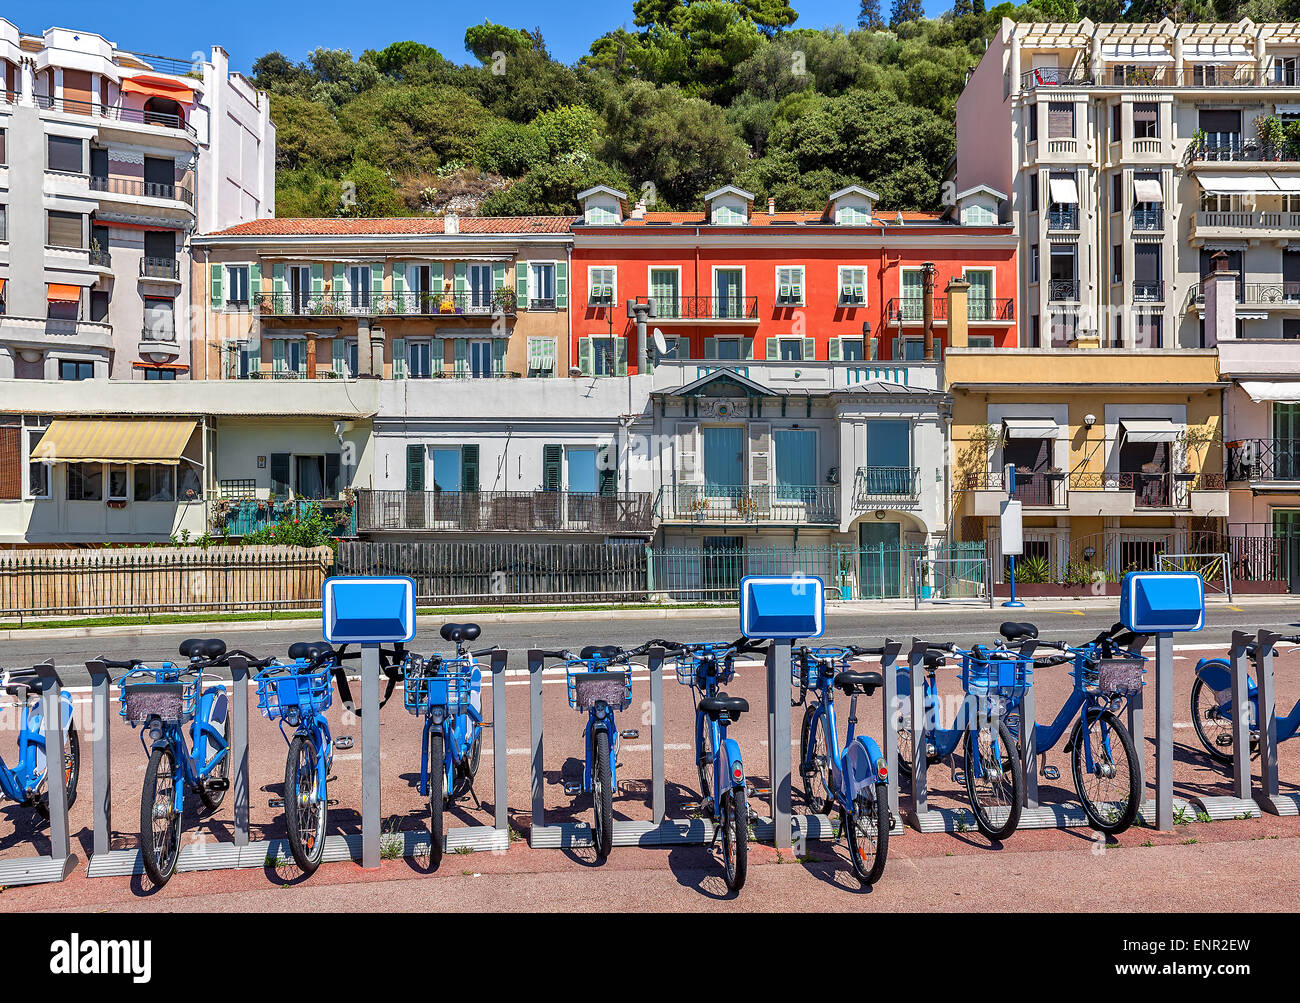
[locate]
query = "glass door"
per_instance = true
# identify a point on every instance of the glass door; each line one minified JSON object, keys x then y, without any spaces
{"x":913,"y":295}
{"x":480,"y":359}
{"x":480,"y":288}
{"x":979,"y":300}
{"x":1286,"y":442}
{"x":880,"y":567}
{"x":724,"y":460}
{"x":1286,"y":529}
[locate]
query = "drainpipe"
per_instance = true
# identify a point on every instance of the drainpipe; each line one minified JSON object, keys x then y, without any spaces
{"x":927,"y":307}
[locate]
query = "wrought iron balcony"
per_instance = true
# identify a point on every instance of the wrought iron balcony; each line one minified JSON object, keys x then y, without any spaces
{"x":1148,"y":292}
{"x":1148,"y":219}
{"x":160,"y":268}
{"x":703,"y":307}
{"x":1063,"y":290}
{"x":115,"y":113}
{"x":1033,"y":488}
{"x":1159,"y":489}
{"x":1264,"y":460}
{"x":367,"y":303}
{"x":742,"y":504}
{"x":877,"y":487}
{"x":1063,"y":219}
{"x":503,"y":511}
{"x":139,"y":188}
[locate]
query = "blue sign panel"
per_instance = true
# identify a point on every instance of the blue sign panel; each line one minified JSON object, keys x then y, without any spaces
{"x":784,"y":606}
{"x":363,"y":610}
{"x":1153,"y":602}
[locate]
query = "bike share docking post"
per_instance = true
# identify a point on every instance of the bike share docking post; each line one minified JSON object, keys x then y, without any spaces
{"x":655,"y":661}
{"x":370,"y":821}
{"x":52,"y":724}
{"x":1241,"y":721}
{"x":1028,"y":741}
{"x":101,"y":793}
{"x":238,"y":751}
{"x":536,"y":662}
{"x":916,"y":675}
{"x":500,"y":658}
{"x":1266,"y":695}
{"x":892,"y":712}
{"x":1164,"y":730}
{"x":778,"y":740}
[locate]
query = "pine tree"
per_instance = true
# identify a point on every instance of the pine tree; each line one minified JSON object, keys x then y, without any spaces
{"x":869,"y":16}
{"x":902,"y":11}
{"x":961,"y":8}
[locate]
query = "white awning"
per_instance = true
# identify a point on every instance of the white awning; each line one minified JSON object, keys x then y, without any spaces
{"x":1030,"y":428}
{"x":1277,"y":393}
{"x":1286,"y":182}
{"x":1288,"y":109}
{"x":1135,"y":53}
{"x":1210,"y":52}
{"x":1147,"y":190}
{"x":1064,"y":191}
{"x":1237,"y":184}
{"x":1150,"y":429}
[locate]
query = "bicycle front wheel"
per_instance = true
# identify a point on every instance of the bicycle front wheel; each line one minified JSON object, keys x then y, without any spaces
{"x":437,"y":783}
{"x":602,"y":797}
{"x":735,"y":838}
{"x":71,"y":773}
{"x":160,"y":822}
{"x":221,"y":772}
{"x":995,"y":780}
{"x":1212,"y":726}
{"x":1110,"y":793}
{"x":304,"y":805}
{"x":814,"y":763}
{"x":867,"y":827}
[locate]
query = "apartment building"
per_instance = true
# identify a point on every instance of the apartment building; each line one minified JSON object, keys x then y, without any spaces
{"x":844,"y":282}
{"x":410,"y":298}
{"x":1131,"y":154}
{"x":109,"y":162}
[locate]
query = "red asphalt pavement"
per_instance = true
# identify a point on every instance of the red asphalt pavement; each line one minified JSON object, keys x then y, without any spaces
{"x":1233,"y":865}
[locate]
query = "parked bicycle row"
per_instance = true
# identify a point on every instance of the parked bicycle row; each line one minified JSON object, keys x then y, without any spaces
{"x":185,"y":731}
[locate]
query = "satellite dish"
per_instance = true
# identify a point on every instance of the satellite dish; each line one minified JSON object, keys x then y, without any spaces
{"x":661,"y":343}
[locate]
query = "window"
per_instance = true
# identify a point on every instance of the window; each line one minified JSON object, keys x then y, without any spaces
{"x":1117,"y":263}
{"x":64,"y":229}
{"x":98,"y":305}
{"x":979,"y":298}
{"x":1060,"y":120}
{"x":160,"y":321}
{"x":155,"y":373}
{"x":978,"y":214}
{"x":979,"y":341}
{"x":851,"y":350}
{"x":1148,"y":330}
{"x":480,"y":359}
{"x":295,"y":355}
{"x":1220,"y":203}
{"x":315,"y":475}
{"x":85,"y":481}
{"x":1284,"y":70}
{"x":664,"y":288}
{"x":889,"y":457}
{"x":1222,"y":128}
{"x":38,"y":473}
{"x":791,"y":349}
{"x":728,"y":348}
{"x":541,"y":285}
{"x":1146,"y":121}
{"x":1034,"y":184}
{"x":729,"y":290}
{"x":796,"y":463}
{"x":853,"y":287}
{"x":789,"y":286}
{"x":580,"y":467}
{"x":359,"y":287}
{"x":725,"y":215}
{"x":603,"y":356}
{"x":602,"y":286}
{"x":1291,"y":203}
{"x":418,"y":361}
{"x":446,"y":469}
{"x":1116,"y":122}
{"x":1117,"y":192}
{"x":1033,"y":262}
{"x":598,"y":215}
{"x":4,"y":222}
{"x":671,"y":343}
{"x":71,"y":369}
{"x":65,"y":154}
{"x":351,"y":357}
{"x":237,"y":285}
{"x":117,"y":481}
{"x":1032,"y":111}
{"x":480,"y":287}
{"x":4,"y":149}
{"x":853,"y":215}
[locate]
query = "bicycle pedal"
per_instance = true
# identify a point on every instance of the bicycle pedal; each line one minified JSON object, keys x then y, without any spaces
{"x":630,"y":733}
{"x":572,"y":789}
{"x":330,"y":780}
{"x":275,"y":803}
{"x":758,"y":792}
{"x":219,"y":784}
{"x":958,"y":776}
{"x":343,"y":742}
{"x":330,"y":802}
{"x":1050,"y":773}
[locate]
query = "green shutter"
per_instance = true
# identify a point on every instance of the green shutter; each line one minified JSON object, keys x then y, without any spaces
{"x":773,"y":349}
{"x":437,"y":355}
{"x":710,"y":348}
{"x":277,"y":279}
{"x":277,"y":355}
{"x":215,"y":270}
{"x":254,"y":281}
{"x":460,"y":355}
{"x":339,"y":282}
{"x":279,"y":475}
{"x":620,"y":356}
{"x":399,"y":358}
{"x":341,"y":356}
{"x":607,"y":468}
{"x":521,"y":284}
{"x":833,"y":349}
{"x":498,"y":275}
{"x":748,"y":348}
{"x":399,"y":277}
{"x":376,"y":283}
{"x":435,"y":278}
{"x":461,"y":282}
{"x":414,"y":467}
{"x":317,"y":279}
{"x":552,"y":456}
{"x":499,"y":346}
{"x":332,"y":463}
{"x":585,"y":362}
{"x":561,"y":285}
{"x":469,"y":468}
{"x":809,"y":349}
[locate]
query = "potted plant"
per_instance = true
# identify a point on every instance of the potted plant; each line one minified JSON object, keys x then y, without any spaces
{"x":1054,"y":474}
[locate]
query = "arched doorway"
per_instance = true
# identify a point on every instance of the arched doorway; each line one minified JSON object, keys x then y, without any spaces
{"x":884,"y":559}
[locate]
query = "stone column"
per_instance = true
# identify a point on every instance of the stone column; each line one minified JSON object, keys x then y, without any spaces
{"x":1220,"y":288}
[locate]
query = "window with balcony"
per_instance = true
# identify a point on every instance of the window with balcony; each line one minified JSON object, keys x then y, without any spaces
{"x":541,"y":285}
{"x":160,"y":177}
{"x":1064,"y":280}
{"x":602,"y":286}
{"x":160,"y":255}
{"x":1028,"y":448}
{"x":1063,"y":211}
{"x":979,"y":298}
{"x":418,"y":360}
{"x":1060,"y":120}
{"x":1222,"y":129}
{"x":1148,"y":286}
{"x":237,"y":285}
{"x":729,"y":292}
{"x":789,"y":286}
{"x":1283,"y":70}
{"x":889,"y":458}
{"x":359,"y":287}
{"x":1220,"y":203}
{"x":480,"y":288}
{"x":853,"y":287}
{"x":796,"y":464}
{"x":1146,"y":120}
{"x":1148,"y":201}
{"x":665,"y":291}
{"x":65,"y":154}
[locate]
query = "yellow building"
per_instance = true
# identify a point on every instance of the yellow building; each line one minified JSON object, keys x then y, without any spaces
{"x":1118,"y":456}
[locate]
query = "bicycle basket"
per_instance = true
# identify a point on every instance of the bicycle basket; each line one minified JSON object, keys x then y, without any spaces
{"x":1112,"y":676}
{"x":689,"y":667}
{"x":165,"y":697}
{"x":446,"y":684}
{"x":614,"y":686}
{"x":281,"y":687}
{"x":1002,"y":675}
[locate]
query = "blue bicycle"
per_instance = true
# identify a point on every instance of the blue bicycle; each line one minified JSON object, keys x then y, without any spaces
{"x":24,"y":782}
{"x":856,"y":779}
{"x":161,"y":701}
{"x":448,"y":692}
{"x":992,"y":681}
{"x":298,"y":694}
{"x":1107,"y":671}
{"x":1212,"y":710}
{"x":706,"y":668}
{"x":599,"y":680}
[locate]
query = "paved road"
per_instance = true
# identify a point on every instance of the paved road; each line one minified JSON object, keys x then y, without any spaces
{"x":962,"y":624}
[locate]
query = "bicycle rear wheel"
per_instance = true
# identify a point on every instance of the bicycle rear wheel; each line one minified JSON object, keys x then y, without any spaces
{"x":1213,"y":728}
{"x":212,"y":798}
{"x":437,"y":801}
{"x":71,"y":773}
{"x":467,"y":769}
{"x":814,"y":763}
{"x":997,"y":792}
{"x":160,"y":823}
{"x":735,"y":838}
{"x":1110,"y":793}
{"x":602,"y":797}
{"x":867,"y":828}
{"x":304,"y":805}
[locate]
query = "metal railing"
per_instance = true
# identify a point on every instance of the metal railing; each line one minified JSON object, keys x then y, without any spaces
{"x":1240,"y":219}
{"x":741,"y":504}
{"x":116,"y":113}
{"x":1148,"y":219}
{"x":239,"y":516}
{"x":1063,"y":219}
{"x":1164,"y":489}
{"x":1159,"y":77}
{"x":160,"y":268}
{"x":1063,"y":290}
{"x":139,"y":188}
{"x":872,"y":485}
{"x":910,"y":309}
{"x":1263,"y":460}
{"x":504,"y":511}
{"x":368,"y":302}
{"x":1148,"y":292}
{"x":101,"y":257}
{"x":1033,"y":488}
{"x":703,"y":307}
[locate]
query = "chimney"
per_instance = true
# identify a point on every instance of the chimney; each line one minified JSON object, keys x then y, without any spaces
{"x":771,"y":206}
{"x":927,"y":307}
{"x":958,"y":292}
{"x":638,"y":210}
{"x":451,"y":223}
{"x":1220,"y":289}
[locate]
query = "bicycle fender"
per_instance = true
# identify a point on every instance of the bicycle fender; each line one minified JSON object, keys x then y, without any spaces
{"x":1217,"y":673}
{"x":861,"y":765}
{"x":731,"y":750}
{"x":36,"y":714}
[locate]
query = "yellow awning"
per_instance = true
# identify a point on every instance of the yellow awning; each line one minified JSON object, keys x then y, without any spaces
{"x":104,"y":440}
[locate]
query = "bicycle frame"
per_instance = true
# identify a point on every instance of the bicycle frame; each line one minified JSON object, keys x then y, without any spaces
{"x":315,"y":727}
{"x":21,"y":782}
{"x":1217,"y":673}
{"x":856,"y":765}
{"x":459,"y":731}
{"x":1078,"y":705}
{"x":710,"y":669}
{"x":205,"y":729}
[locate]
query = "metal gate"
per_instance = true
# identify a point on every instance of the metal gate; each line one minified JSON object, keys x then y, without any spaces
{"x":1213,"y":569}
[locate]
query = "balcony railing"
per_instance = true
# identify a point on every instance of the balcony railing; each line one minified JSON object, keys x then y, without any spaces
{"x":1159,"y":77}
{"x":503,"y":511}
{"x":1033,"y":489}
{"x":101,"y":257}
{"x":160,"y":268}
{"x":874,"y":486}
{"x":1148,"y":292}
{"x":139,"y":188}
{"x":1162,"y":489}
{"x":1264,"y":460}
{"x":116,"y":113}
{"x":1063,"y":290}
{"x":1250,"y":221}
{"x":1148,"y":219}
{"x":241,"y":515}
{"x":367,"y":302}
{"x":703,"y":307}
{"x":741,"y":504}
{"x":1063,"y":219}
{"x":1255,"y":293}
{"x":911,"y":309}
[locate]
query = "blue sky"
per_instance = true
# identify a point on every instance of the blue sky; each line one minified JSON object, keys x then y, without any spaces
{"x":247,"y":32}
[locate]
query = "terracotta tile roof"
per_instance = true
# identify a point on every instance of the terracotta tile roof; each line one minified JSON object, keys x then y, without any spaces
{"x":417,"y":225}
{"x":814,"y":218}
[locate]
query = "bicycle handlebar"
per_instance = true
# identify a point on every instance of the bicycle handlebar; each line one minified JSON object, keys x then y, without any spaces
{"x":1051,"y":660}
{"x":948,"y":646}
{"x":484,"y":651}
{"x":128,"y":665}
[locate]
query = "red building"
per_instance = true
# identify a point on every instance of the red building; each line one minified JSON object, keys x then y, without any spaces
{"x":730,"y":283}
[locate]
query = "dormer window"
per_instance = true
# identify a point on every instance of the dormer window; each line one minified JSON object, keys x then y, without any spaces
{"x":851,"y":206}
{"x":979,"y":206}
{"x":853,"y":215}
{"x":729,"y":206}
{"x":602,"y":206}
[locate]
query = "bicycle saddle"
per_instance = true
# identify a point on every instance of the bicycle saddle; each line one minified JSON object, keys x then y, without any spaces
{"x":732,"y":706}
{"x":197,"y":647}
{"x":605,"y":651}
{"x":934,"y":660}
{"x":854,"y":682}
{"x":1014,"y":631}
{"x":457,"y":632}
{"x":309,"y":649}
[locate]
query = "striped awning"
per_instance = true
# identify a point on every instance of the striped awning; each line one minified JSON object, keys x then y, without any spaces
{"x":107,"y":440}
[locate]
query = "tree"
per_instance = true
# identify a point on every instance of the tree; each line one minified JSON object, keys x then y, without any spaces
{"x":770,"y":15}
{"x":903,"y":11}
{"x":869,"y":18}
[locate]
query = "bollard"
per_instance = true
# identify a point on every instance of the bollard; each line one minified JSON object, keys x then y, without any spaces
{"x":535,"y":664}
{"x":778,"y":731}
{"x":1241,"y":721}
{"x":916,"y":676}
{"x":102,"y":794}
{"x":659,"y":805}
{"x":892,"y":711}
{"x":370,"y":809}
{"x":1267,"y":696}
{"x":239,"y":746}
{"x":500,"y":659}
